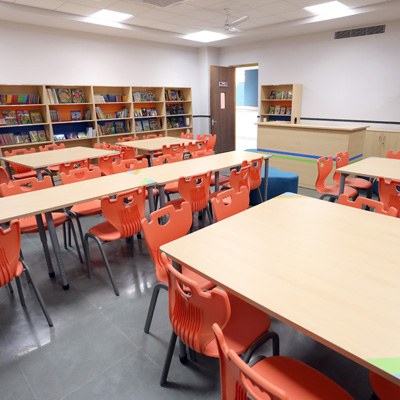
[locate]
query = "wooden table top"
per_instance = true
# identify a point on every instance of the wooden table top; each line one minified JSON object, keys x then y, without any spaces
{"x":328,"y":270}
{"x":156,"y":143}
{"x":60,"y":196}
{"x":54,"y":157}
{"x":166,"y":173}
{"x":374,"y":167}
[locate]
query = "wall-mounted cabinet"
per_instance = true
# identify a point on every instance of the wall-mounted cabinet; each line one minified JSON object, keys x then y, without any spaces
{"x":281,"y":103}
{"x":31,"y":115}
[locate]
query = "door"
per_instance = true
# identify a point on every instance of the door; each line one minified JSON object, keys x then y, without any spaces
{"x":222,"y":106}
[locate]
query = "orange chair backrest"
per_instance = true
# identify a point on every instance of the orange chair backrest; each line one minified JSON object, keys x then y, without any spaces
{"x":126,"y":211}
{"x":240,"y":178}
{"x":51,"y":147}
{"x":103,"y":145}
{"x":209,"y":139}
{"x":156,"y":235}
{"x":166,"y":158}
{"x":389,"y":193}
{"x":192,"y":312}
{"x":105,"y":163}
{"x":128,"y":139}
{"x":187,"y":135}
{"x":128,"y":152}
{"x":255,"y":173}
{"x":10,"y":244}
{"x":173,"y":149}
{"x":390,"y":154}
{"x":152,"y":136}
{"x":80,"y":174}
{"x":361,"y":202}
{"x":18,"y":186}
{"x":230,"y":202}
{"x":325,"y":165}
{"x":342,"y":159}
{"x":19,"y":169}
{"x":196,"y":146}
{"x":202,"y":153}
{"x":129,"y":165}
{"x":4,"y":175}
{"x":67,"y":167}
{"x":238,"y":378}
{"x":195,"y":190}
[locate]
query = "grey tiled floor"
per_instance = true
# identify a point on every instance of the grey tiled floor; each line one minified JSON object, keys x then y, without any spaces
{"x":97,"y":348}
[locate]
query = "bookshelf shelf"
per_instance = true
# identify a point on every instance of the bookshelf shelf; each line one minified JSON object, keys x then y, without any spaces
{"x":59,"y":102}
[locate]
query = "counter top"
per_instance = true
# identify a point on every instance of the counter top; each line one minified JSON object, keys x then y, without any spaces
{"x":314,"y":127}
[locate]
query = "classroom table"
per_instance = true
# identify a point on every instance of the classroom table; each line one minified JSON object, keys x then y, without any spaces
{"x":372,"y":167}
{"x":61,"y":196}
{"x":44,"y":159}
{"x":330,"y":271}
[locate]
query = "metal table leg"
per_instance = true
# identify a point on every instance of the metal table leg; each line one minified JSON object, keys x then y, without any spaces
{"x":266,"y":167}
{"x":162,"y":196}
{"x":216,"y":175}
{"x":39,"y":174}
{"x":43,"y":239}
{"x":8,"y":169}
{"x":151,"y":198}
{"x":342,"y":181}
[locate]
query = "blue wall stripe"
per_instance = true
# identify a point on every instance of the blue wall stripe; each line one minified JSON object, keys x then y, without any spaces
{"x":302,"y":155}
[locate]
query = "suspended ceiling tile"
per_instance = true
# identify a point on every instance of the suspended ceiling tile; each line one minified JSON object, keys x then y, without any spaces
{"x":158,"y":14}
{"x":183,"y":8}
{"x":278,"y":7}
{"x":296,"y":14}
{"x":77,"y":9}
{"x":361,"y":3}
{"x":233,"y":6}
{"x":139,"y":21}
{"x":306,"y":3}
{"x":204,"y":14}
{"x":93,"y":3}
{"x":129,"y":8}
{"x":183,"y":20}
{"x":47,"y":4}
{"x":257,"y":3}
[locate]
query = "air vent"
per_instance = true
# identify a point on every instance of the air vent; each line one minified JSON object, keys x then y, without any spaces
{"x":370,"y":30}
{"x":161,"y":3}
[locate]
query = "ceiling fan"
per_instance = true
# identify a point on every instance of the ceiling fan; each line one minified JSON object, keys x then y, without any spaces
{"x":231,"y":26}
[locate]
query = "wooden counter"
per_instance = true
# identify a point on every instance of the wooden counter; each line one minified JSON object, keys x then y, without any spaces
{"x":297,"y":147}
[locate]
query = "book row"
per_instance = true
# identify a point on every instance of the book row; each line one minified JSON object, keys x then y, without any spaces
{"x":20,"y":117}
{"x":281,"y":95}
{"x":148,"y":95}
{"x":65,"y":95}
{"x":55,"y":115}
{"x":146,"y":125}
{"x":124,"y":113}
{"x":22,"y":137}
{"x":90,"y":132}
{"x":174,"y":95}
{"x":280,"y":110}
{"x":145,"y":112}
{"x":172,"y":109}
{"x":109,"y":98}
{"x":19,"y":99}
{"x":176,"y":122}
{"x":112,"y":127}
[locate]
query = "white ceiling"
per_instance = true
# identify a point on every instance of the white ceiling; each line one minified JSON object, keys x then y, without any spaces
{"x":267,"y":18}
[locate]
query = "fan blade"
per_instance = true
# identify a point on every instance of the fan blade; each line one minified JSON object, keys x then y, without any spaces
{"x":239,"y":20}
{"x":233,"y":29}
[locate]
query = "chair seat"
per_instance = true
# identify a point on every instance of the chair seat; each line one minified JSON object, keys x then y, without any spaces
{"x":155,"y":192}
{"x":383,"y":388}
{"x":29,"y":225}
{"x":237,"y":333}
{"x":176,"y":203}
{"x":358,"y":183}
{"x":297,"y":380}
{"x":20,"y":268}
{"x":89,"y":208}
{"x":223,"y":179}
{"x":172,"y":187}
{"x":23,"y":175}
{"x":105,"y":231}
{"x":54,"y":168}
{"x":334,"y":189}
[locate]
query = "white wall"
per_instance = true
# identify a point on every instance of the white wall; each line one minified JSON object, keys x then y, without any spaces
{"x":356,"y":78}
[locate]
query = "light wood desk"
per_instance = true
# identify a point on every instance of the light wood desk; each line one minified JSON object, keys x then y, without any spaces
{"x":300,"y":260}
{"x":57,"y":197}
{"x":372,"y":167}
{"x":40,"y":160}
{"x":156,"y":143}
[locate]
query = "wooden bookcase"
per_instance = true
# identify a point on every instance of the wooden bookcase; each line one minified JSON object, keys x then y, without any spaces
{"x":96,"y":110}
{"x":271,"y":97}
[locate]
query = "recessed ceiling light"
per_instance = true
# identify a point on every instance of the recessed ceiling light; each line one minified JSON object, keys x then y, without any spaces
{"x":333,"y":7}
{"x":111,"y":15}
{"x":205,"y":36}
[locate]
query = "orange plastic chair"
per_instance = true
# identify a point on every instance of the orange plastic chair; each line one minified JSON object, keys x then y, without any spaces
{"x":342,"y":159}
{"x":196,"y":146}
{"x":256,"y":176}
{"x":325,"y":165}
{"x":29,"y":224}
{"x":21,"y":172}
{"x":196,"y":191}
{"x":52,"y":147}
{"x":106,"y":163}
{"x":173,"y":149}
{"x":152,"y":136}
{"x":67,"y":167}
{"x":277,"y":377}
{"x":4,"y":178}
{"x":129,"y":165}
{"x":209,"y":139}
{"x":156,"y":235}
{"x":171,"y":187}
{"x":391,"y":154}
{"x":12,"y":265}
{"x":365,"y":203}
{"x":84,"y":209}
{"x":389,"y":193}
{"x":128,"y":153}
{"x":230,"y":202}
{"x":192,"y":313}
{"x":383,"y":388}
{"x":104,"y":146}
{"x":187,"y":135}
{"x":124,"y":216}
{"x":128,"y":139}
{"x":202,"y":153}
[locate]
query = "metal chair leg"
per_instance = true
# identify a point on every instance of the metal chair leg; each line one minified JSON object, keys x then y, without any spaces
{"x":168,"y":358}
{"x":97,"y":240}
{"x":21,"y":294}
{"x":65,"y":237}
{"x":10,"y":288}
{"x":152,"y":305}
{"x":259,"y":194}
{"x":75,"y":239}
{"x":78,"y":222}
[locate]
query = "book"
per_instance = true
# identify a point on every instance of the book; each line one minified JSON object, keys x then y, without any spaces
{"x":169,"y":125}
{"x":283,"y":110}
{"x":290,"y":94}
{"x":138,"y":126}
{"x":89,"y":131}
{"x":173,"y":95}
{"x":88,"y":114}
{"x":10,"y":117}
{"x":167,"y":110}
{"x":34,"y":136}
{"x":35,"y":116}
{"x":167,"y":95}
{"x":42,"y":136}
{"x":173,"y":108}
{"x":136,"y":96}
{"x":71,"y":135}
{"x":138,"y":112}
{"x":55,"y":116}
{"x":180,"y":95}
{"x":146,"y":125}
{"x":278,"y":95}
{"x":144,"y":112}
{"x":63,"y":95}
{"x":153,"y":124}
{"x":271,"y":109}
{"x":76,"y":115}
{"x":17,"y":137}
{"x":289,"y":110}
{"x":77,"y":96}
{"x":150,"y":95}
{"x":174,"y":122}
{"x":23,"y":117}
{"x":109,"y":128}
{"x":59,"y":136}
{"x":82,"y":135}
{"x":284,"y":94}
{"x":181,"y":109}
{"x":181,"y":122}
{"x":99,"y":112}
{"x":272,"y":95}
{"x":2,"y":121}
{"x":119,"y":126}
{"x":277,"y":109}
{"x":98,"y":98}
{"x":153,"y":112}
{"x":143,"y":96}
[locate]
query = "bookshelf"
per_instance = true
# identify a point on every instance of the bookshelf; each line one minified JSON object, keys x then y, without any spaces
{"x":281,"y":97}
{"x":82,"y":115}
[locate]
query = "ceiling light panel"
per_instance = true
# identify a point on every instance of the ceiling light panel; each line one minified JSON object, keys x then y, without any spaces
{"x":205,"y":36}
{"x":332,"y":7}
{"x":111,"y":15}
